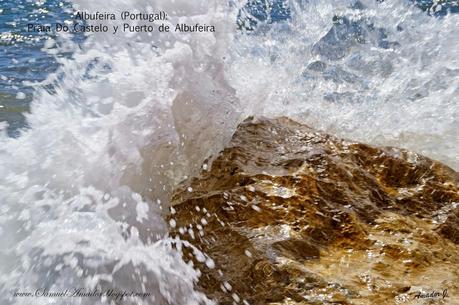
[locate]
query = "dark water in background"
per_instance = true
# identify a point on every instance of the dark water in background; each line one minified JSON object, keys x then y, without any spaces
{"x":23,"y":60}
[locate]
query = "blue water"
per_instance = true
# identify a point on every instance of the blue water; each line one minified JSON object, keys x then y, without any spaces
{"x":24,"y":62}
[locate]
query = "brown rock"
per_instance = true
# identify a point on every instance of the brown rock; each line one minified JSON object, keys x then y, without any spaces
{"x":290,"y":215}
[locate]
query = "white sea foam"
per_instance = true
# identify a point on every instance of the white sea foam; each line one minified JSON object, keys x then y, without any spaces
{"x":83,"y":191}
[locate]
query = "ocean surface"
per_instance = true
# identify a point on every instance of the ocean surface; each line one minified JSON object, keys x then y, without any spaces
{"x":97,"y":130}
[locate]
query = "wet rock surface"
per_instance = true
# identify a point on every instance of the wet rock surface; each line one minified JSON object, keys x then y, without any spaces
{"x":289,"y":215}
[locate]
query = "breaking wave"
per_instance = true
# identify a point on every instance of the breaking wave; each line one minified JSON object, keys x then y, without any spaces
{"x":84,"y":189}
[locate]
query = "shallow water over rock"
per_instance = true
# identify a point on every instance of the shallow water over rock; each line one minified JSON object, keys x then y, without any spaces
{"x":289,"y":215}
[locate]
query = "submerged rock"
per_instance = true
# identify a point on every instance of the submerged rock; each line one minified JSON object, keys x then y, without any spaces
{"x":289,"y":215}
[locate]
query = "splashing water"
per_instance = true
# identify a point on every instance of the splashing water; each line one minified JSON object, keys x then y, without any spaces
{"x":384,"y":73}
{"x":83,"y":191}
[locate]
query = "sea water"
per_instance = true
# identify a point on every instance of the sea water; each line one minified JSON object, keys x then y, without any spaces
{"x":98,"y":129}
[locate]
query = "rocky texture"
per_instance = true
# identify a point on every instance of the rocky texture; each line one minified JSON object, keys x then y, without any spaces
{"x":290,"y":215}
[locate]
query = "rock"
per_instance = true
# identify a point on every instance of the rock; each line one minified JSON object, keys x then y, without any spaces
{"x":289,"y":215}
